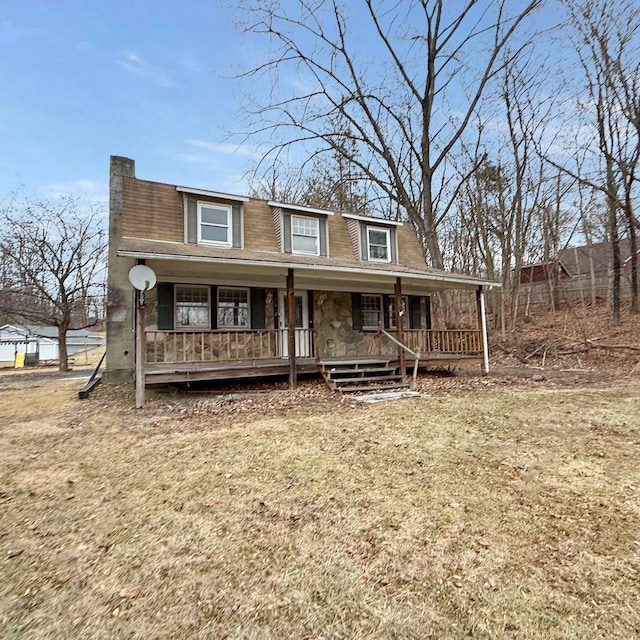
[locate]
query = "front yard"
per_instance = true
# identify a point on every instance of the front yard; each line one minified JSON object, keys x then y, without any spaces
{"x":505,"y":510}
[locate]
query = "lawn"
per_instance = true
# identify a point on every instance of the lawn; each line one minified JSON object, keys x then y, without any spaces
{"x":491,"y":511}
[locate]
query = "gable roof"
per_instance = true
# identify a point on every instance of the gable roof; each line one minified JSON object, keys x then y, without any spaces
{"x":577,"y":260}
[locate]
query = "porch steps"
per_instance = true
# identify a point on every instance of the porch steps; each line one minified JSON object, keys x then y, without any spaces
{"x":362,"y":374}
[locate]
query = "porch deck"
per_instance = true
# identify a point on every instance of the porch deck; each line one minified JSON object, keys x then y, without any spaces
{"x":182,"y":357}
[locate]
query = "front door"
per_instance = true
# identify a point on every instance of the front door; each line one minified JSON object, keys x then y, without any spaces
{"x":303,"y":333}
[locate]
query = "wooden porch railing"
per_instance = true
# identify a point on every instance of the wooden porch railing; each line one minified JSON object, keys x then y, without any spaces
{"x":224,"y":346}
{"x":462,"y":341}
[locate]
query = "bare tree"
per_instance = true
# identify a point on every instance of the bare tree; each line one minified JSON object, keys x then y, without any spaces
{"x":406,"y":103}
{"x":607,"y":43}
{"x":53,"y":257}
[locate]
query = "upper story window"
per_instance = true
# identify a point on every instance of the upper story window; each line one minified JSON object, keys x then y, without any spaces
{"x":301,"y":230}
{"x":215,"y":224}
{"x":379,"y":244}
{"x":373,"y":239}
{"x":212,"y":218}
{"x":305,"y":235}
{"x":191,"y":307}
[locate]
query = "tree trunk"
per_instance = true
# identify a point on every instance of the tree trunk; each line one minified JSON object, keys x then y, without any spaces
{"x":63,"y":360}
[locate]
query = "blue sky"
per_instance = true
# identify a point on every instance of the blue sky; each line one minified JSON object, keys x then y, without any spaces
{"x":86,"y":79}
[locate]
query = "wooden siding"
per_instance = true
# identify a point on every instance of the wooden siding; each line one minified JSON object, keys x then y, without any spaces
{"x":155,"y":211}
{"x":259,"y":230}
{"x":152,"y":210}
{"x":409,"y":250}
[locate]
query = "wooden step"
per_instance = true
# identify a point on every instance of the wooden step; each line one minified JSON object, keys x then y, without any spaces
{"x":361,"y":374}
{"x":357,"y":372}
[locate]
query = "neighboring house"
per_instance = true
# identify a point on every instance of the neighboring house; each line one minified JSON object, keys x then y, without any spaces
{"x":78,"y":340}
{"x":583,"y":273}
{"x":249,"y":287}
{"x":43,"y":341}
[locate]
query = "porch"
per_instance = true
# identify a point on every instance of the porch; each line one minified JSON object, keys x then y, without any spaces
{"x":187,"y":356}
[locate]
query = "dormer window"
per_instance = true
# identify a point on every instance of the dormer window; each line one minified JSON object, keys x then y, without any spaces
{"x":214,"y":224}
{"x":212,"y":218}
{"x":373,"y":240}
{"x":379,"y":244}
{"x":305,"y":235}
{"x":301,"y":230}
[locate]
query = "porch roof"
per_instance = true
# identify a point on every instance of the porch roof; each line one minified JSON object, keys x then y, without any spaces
{"x":325,"y":270}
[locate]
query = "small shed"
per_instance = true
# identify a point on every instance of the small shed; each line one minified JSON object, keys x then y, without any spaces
{"x":42,"y":342}
{"x":16,"y":339}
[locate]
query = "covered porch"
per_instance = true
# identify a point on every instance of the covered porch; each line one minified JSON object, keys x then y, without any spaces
{"x":188,"y":356}
{"x":296,"y":313}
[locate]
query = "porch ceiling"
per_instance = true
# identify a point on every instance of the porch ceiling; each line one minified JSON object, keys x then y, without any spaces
{"x":175,"y":261}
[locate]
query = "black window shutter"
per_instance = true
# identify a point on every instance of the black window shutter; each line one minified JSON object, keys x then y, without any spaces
{"x":356,"y":311}
{"x":213,"y":307}
{"x":236,"y":214}
{"x":322,"y":225}
{"x":192,"y":221}
{"x":258,"y":308}
{"x":415,"y":319}
{"x":165,"y":306}
{"x":427,"y":304}
{"x":387,"y":320}
{"x":286,"y":232}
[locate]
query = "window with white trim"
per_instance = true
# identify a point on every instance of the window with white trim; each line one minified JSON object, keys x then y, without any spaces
{"x":378,"y":244}
{"x":305,"y":235}
{"x":371,"y":311}
{"x":233,"y":308}
{"x":392,"y":312}
{"x":192,"y":306}
{"x":214,"y":224}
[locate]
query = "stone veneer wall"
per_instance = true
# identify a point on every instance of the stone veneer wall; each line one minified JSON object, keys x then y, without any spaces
{"x":336,"y":337}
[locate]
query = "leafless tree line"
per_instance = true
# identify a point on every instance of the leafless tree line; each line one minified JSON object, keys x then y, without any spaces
{"x":501,"y":131}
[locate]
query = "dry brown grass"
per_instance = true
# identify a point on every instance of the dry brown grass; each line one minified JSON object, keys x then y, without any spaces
{"x":500,"y":512}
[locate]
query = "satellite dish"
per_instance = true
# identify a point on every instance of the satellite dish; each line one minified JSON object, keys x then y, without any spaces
{"x":142,"y":277}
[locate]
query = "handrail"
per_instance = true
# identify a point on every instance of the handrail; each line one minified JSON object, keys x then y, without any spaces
{"x":415,"y":354}
{"x":404,"y":346}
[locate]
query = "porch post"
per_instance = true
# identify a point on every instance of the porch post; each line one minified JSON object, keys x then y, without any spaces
{"x":482,"y":325}
{"x":399,"y":317}
{"x":291,"y":329}
{"x":140,"y":348}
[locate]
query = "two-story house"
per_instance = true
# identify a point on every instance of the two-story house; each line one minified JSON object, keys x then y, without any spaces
{"x":249,"y":287}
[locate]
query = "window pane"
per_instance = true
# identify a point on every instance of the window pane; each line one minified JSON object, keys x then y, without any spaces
{"x":378,"y":253}
{"x":371,"y":310}
{"x":192,"y":317}
{"x":377,"y":237}
{"x":214,"y":216}
{"x":304,"y":226}
{"x":192,"y":307}
{"x":214,"y":234}
{"x":233,"y":307}
{"x":304,"y":244}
